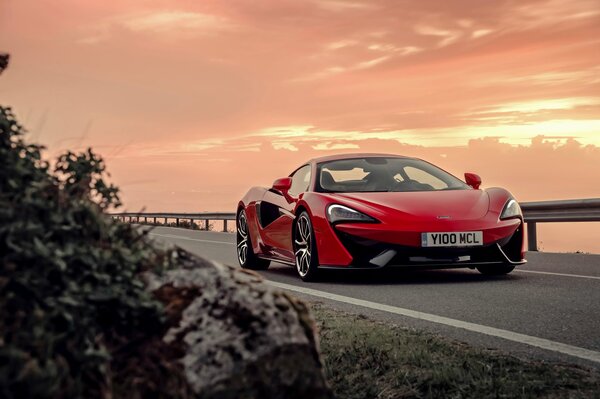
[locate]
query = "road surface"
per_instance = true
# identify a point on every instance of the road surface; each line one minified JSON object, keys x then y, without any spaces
{"x":547,"y":309}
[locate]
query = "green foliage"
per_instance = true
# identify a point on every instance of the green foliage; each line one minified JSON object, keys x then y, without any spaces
{"x":3,"y":62}
{"x":73,"y":307}
{"x":82,"y":178}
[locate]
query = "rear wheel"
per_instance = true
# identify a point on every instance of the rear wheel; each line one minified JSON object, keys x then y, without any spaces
{"x":245,"y":254}
{"x":305,"y":248}
{"x":495,"y":270}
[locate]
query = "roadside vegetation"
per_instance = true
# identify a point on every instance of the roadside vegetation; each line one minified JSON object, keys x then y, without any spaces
{"x":76,"y":319}
{"x":370,"y":359}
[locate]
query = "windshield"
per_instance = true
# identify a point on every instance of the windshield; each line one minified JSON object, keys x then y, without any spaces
{"x":378,"y":174}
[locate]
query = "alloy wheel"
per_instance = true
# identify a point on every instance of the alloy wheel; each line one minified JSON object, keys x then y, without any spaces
{"x":303,"y":245}
{"x":242,"y":238}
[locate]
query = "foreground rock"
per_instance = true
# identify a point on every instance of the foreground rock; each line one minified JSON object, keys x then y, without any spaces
{"x":241,"y":338}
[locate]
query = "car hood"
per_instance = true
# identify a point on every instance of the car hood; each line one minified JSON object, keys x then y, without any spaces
{"x":451,"y":204}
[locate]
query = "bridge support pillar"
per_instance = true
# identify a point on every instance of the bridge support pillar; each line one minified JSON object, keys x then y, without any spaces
{"x":206,"y":224}
{"x":225,"y":226}
{"x":192,"y":224}
{"x":177,"y":222}
{"x":154,"y":220}
{"x":532,"y":236}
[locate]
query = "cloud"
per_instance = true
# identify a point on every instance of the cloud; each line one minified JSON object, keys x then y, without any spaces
{"x":544,"y":105}
{"x":545,"y":77}
{"x":307,"y":133}
{"x":447,"y":36}
{"x":512,"y":125}
{"x":358,"y":66}
{"x":371,"y":63}
{"x":284,"y":146}
{"x":390,"y":48}
{"x":343,"y":5}
{"x":291,"y":131}
{"x":340,"y":44}
{"x":530,"y":15}
{"x":328,"y":146}
{"x":250,"y":147}
{"x":476,"y":34}
{"x":196,"y":146}
{"x":173,"y":20}
{"x":163,"y":22}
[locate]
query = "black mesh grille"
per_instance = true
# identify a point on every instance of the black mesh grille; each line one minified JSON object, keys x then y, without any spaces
{"x":363,"y":251}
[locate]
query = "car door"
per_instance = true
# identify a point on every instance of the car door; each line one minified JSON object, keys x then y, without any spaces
{"x":275,"y":215}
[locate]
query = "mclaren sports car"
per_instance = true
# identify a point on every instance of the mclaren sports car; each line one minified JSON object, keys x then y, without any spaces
{"x":368,"y":211}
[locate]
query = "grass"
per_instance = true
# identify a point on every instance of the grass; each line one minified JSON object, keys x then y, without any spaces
{"x":369,"y":359}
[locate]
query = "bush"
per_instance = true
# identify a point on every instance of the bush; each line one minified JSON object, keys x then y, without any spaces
{"x":3,"y":62}
{"x":75,"y":317}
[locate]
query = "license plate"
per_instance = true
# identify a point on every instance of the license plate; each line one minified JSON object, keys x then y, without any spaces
{"x":452,"y":239}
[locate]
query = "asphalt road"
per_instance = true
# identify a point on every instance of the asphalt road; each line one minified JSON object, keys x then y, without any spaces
{"x":548,"y":309}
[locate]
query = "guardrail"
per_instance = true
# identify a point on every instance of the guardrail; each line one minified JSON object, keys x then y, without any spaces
{"x":206,"y":216}
{"x":576,"y":210}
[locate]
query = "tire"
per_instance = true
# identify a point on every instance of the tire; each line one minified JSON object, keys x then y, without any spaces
{"x":245,"y":254}
{"x":495,"y":270}
{"x":305,"y":248}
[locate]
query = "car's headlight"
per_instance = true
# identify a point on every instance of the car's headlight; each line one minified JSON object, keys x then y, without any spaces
{"x":511,"y":210}
{"x":340,"y":213}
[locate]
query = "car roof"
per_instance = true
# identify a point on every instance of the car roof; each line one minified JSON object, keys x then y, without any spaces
{"x":356,"y":155}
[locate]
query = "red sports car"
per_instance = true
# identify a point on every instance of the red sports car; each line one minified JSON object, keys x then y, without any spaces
{"x":366,"y":211}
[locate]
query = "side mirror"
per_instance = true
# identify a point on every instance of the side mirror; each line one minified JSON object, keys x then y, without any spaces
{"x":283,"y":185}
{"x":473,"y":180}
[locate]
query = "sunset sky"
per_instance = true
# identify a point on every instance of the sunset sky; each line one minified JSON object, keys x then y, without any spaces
{"x":192,"y":102}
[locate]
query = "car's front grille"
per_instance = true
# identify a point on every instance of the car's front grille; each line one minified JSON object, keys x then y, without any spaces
{"x":363,"y":251}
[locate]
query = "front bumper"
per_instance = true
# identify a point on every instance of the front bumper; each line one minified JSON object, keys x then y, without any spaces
{"x":371,"y":254}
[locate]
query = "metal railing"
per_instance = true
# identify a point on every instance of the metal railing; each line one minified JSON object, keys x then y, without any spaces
{"x":576,"y":210}
{"x":192,"y":217}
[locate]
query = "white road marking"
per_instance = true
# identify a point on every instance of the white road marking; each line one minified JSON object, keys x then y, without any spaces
{"x":542,"y":343}
{"x":559,"y":274}
{"x":190,"y":239}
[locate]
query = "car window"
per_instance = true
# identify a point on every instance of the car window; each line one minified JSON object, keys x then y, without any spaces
{"x":424,"y":177}
{"x":347,"y":175}
{"x":300,"y":181}
{"x":380,"y":174}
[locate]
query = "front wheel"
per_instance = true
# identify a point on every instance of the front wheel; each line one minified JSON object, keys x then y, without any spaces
{"x":245,"y":254}
{"x":495,"y":270}
{"x":305,"y":248}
